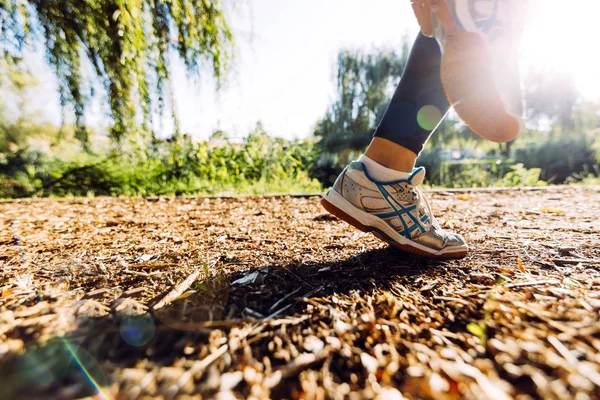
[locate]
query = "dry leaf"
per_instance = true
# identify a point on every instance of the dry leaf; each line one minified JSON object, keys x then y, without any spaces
{"x":551,"y":210}
{"x":520,"y":264}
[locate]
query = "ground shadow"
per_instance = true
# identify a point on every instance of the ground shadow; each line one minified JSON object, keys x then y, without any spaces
{"x":70,"y":366}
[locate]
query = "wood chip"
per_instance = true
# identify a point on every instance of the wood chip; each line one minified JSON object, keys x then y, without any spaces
{"x":177,"y":290}
{"x":94,"y":294}
{"x":135,"y":292}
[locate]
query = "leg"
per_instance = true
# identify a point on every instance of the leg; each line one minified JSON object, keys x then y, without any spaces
{"x":479,"y":66}
{"x":379,"y":192}
{"x":416,"y":108}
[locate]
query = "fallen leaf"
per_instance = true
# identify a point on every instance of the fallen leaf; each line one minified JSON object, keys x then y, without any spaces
{"x":552,"y":210}
{"x":520,"y":264}
{"x":145,"y":257}
{"x":464,"y":197}
{"x":479,"y":330}
{"x":449,"y":224}
{"x":185,"y":295}
{"x":249,"y":278}
{"x":7,"y":292}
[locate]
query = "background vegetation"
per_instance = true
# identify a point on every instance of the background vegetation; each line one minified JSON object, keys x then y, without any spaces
{"x":129,"y":44}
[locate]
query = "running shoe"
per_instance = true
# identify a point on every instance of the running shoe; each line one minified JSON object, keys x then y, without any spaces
{"x":396,"y":212}
{"x":480,"y":71}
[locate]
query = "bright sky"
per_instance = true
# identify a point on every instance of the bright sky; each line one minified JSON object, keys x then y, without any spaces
{"x":562,"y":36}
{"x":286,"y":49}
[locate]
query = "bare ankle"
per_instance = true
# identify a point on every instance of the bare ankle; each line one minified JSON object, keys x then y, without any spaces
{"x":391,"y":155}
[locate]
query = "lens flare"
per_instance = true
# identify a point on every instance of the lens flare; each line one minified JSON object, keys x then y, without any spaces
{"x":429,"y":117}
{"x":84,"y":362}
{"x":50,"y":361}
{"x":137,"y":330}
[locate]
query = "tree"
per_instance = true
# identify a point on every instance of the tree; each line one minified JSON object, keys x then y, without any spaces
{"x":551,"y":96}
{"x":128,"y":43}
{"x":364,"y":84}
{"x":14,"y":84}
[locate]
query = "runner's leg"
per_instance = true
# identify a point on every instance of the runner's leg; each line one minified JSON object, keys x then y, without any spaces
{"x":415,"y":109}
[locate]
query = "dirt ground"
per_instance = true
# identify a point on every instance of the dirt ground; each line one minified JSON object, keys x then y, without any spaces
{"x":272,"y":298}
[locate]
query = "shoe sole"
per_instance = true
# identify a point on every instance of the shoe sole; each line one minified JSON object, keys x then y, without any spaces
{"x":336,"y":205}
{"x":467,"y":75}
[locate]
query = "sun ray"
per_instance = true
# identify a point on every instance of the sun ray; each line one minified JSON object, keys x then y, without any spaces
{"x":560,"y":36}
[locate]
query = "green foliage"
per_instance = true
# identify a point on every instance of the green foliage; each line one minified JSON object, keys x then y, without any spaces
{"x":259,"y":165}
{"x":364,"y":83}
{"x":559,"y":158}
{"x":363,"y":87}
{"x":213,"y":284}
{"x":551,"y":96}
{"x":127,"y":42}
{"x":479,"y":330}
{"x":477,"y":173}
{"x":586,"y":177}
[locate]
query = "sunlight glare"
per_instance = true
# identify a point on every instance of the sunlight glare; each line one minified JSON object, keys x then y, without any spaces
{"x":560,"y":36}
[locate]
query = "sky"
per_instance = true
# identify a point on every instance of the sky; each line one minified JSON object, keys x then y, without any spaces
{"x":285,"y":57}
{"x":287,"y":51}
{"x":283,"y":69}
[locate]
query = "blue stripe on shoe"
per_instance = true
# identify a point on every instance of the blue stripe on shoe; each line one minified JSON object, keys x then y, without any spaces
{"x":406,"y":232}
{"x":394,"y":213}
{"x":399,"y":209}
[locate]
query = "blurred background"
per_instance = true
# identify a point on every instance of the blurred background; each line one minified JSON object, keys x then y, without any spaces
{"x":111,"y":97}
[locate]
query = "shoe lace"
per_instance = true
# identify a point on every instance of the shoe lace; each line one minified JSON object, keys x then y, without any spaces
{"x":423,"y":205}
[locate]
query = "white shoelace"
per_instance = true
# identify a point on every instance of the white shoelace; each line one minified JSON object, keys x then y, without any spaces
{"x":424,"y":207}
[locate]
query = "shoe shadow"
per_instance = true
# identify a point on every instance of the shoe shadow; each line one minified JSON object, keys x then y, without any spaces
{"x":278,"y":290}
{"x":72,"y":365}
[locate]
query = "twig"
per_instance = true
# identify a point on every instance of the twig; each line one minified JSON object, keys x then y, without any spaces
{"x":302,"y":362}
{"x":533,"y":283}
{"x":253,"y":313}
{"x":177,"y":290}
{"x":153,"y":265}
{"x":135,"y":292}
{"x":314,"y":291}
{"x":573,"y":361}
{"x":284,"y":298}
{"x":288,"y":321}
{"x":454,"y":299}
{"x":574,"y":261}
{"x":144,"y":274}
{"x":276,"y":313}
{"x":196,"y":368}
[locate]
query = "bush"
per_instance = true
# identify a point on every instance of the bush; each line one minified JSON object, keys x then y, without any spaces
{"x":559,"y":158}
{"x":261,"y":164}
{"x":476,"y":173}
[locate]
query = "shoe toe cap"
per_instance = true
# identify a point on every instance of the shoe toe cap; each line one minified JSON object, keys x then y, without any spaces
{"x":453,"y":240}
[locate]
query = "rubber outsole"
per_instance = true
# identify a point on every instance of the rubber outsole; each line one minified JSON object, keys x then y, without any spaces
{"x":333,"y":210}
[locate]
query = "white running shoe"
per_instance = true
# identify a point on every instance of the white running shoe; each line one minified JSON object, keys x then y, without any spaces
{"x":396,"y":212}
